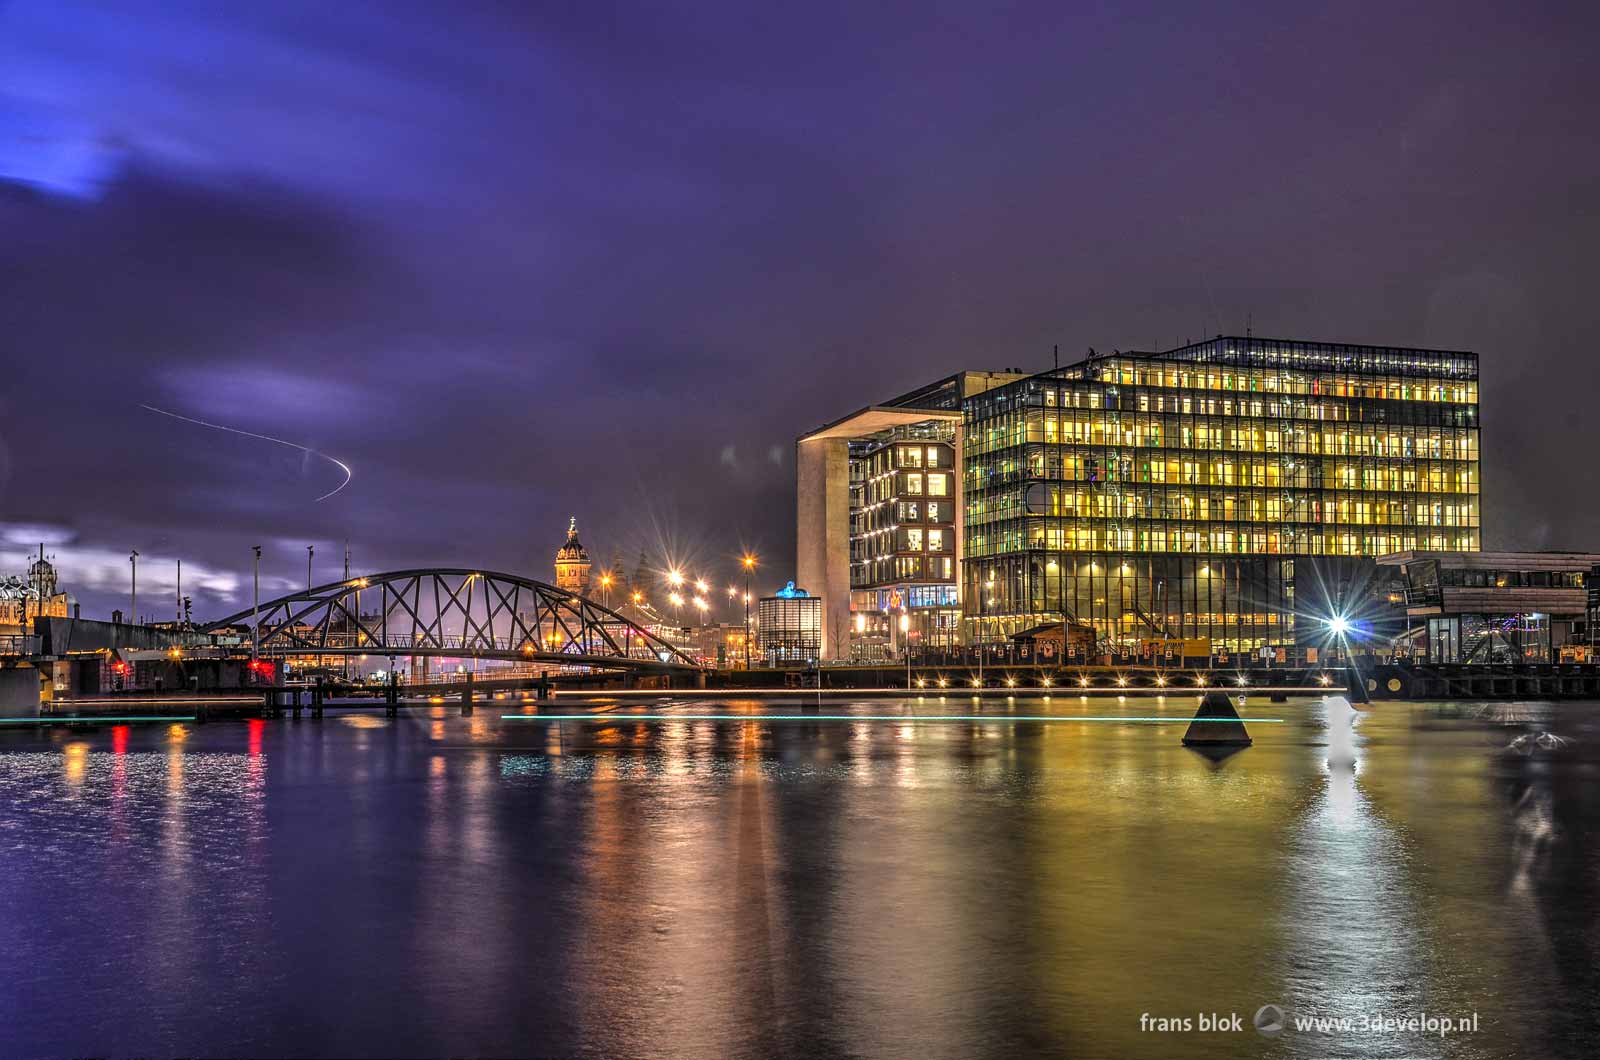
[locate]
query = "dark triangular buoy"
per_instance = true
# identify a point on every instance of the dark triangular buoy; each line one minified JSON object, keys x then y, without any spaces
{"x":1225,"y":731}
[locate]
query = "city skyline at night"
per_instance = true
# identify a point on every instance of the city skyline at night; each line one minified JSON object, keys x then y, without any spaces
{"x":510,"y":286}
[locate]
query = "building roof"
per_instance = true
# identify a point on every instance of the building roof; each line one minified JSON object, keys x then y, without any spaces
{"x":875,"y":418}
{"x":573,"y":551}
{"x":1548,"y":560}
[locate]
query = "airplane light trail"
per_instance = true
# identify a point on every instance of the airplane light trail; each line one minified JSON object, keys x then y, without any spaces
{"x":342,"y":466}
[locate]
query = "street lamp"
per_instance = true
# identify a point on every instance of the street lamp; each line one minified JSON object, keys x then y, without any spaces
{"x":255,"y":609}
{"x":905,"y":636}
{"x":605,"y":587}
{"x":749,"y":563}
{"x":310,"y":551}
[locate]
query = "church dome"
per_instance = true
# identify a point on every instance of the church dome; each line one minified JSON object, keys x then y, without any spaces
{"x":572,"y":562}
{"x":573,"y":551}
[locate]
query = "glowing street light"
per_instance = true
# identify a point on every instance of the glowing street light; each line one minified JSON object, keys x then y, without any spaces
{"x":675,"y":577}
{"x":749,"y":563}
{"x":1339,"y":625}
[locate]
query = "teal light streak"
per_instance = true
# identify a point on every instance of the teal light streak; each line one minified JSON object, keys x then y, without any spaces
{"x":993,"y":719}
{"x":59,"y":719}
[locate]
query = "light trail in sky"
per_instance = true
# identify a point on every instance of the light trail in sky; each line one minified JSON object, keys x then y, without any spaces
{"x":340,"y":464}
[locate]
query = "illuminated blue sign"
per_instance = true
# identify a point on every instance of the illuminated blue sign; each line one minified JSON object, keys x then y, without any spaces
{"x":789,"y":592}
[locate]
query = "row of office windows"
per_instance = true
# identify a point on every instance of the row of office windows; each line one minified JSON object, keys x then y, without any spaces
{"x":1113,"y":465}
{"x":1414,"y":376}
{"x":1511,"y":579}
{"x":881,"y":570}
{"x":1238,"y":539}
{"x":1240,"y":603}
{"x":1408,"y":441}
{"x":883,"y":458}
{"x":893,"y":485}
{"x":1255,"y":506}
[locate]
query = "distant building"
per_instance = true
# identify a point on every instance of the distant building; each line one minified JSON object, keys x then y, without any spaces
{"x":37,"y":596}
{"x":572,"y":563}
{"x":1495,"y":607}
{"x":789,"y":627}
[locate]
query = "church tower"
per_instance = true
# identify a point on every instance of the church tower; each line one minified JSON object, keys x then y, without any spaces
{"x":572,"y":563}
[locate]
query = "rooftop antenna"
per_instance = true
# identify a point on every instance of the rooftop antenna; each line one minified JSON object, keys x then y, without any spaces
{"x":347,"y":559}
{"x":1249,"y":325}
{"x":1055,"y":357}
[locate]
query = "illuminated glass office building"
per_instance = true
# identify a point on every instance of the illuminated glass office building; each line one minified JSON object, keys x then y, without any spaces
{"x":1224,"y":489}
{"x":1229,"y":489}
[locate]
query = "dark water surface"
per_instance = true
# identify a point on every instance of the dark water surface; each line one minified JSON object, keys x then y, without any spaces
{"x":443,"y":885}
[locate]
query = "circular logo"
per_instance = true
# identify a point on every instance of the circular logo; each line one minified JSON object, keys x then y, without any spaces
{"x":1269,"y":1021}
{"x":1394,"y":684}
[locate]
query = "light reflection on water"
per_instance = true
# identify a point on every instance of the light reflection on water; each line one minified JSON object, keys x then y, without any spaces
{"x":438,"y":884}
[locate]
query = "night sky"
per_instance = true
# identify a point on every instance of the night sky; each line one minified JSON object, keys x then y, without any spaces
{"x":515,"y":262}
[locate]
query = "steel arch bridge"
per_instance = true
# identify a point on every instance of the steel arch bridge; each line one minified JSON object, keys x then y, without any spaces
{"x":455,"y":612}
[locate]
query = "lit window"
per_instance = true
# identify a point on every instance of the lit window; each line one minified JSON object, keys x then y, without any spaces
{"x":914,"y":484}
{"x":938,"y":484}
{"x":910,"y":457}
{"x":914,"y":539}
{"x":935,"y":540}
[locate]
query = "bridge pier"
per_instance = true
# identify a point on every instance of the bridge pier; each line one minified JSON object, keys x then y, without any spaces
{"x":466,"y":697}
{"x":391,"y":696}
{"x":542,"y":689}
{"x":318,"y":694}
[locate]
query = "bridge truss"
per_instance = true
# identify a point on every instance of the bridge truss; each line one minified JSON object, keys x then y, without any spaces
{"x":454,"y":613}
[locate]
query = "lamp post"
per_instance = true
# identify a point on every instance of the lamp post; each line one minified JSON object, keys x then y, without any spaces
{"x":905,"y":637}
{"x":255,"y":608}
{"x":605,"y":588}
{"x":133,"y":588}
{"x":310,"y":551}
{"x":749,"y":563}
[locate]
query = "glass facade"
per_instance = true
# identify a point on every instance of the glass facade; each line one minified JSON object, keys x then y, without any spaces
{"x":1214,"y":491}
{"x":789,"y":629}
